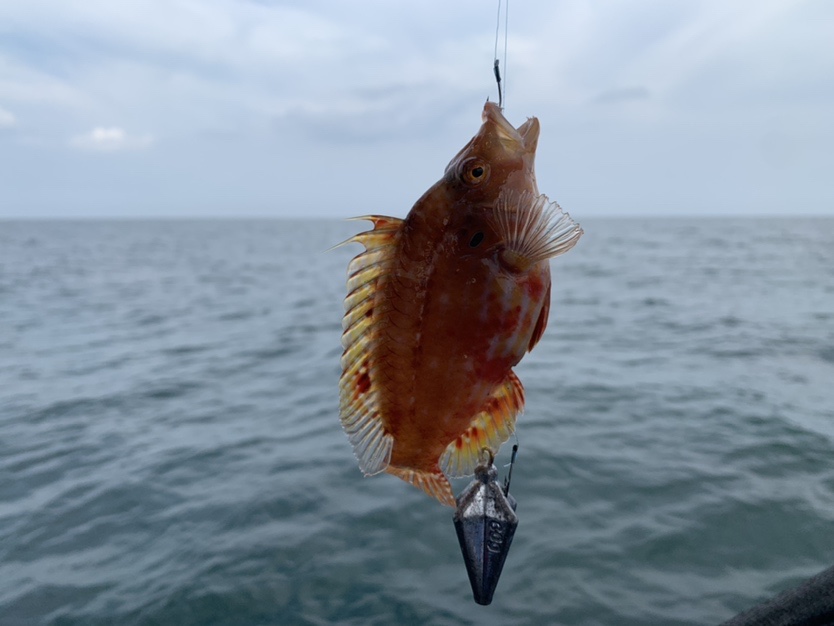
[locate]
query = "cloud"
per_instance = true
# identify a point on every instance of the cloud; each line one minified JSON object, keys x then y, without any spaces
{"x":7,"y":120}
{"x":627,"y":94}
{"x":392,"y":83}
{"x":113,"y":139}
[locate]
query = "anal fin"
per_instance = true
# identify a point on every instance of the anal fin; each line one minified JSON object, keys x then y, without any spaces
{"x":491,"y":427}
{"x":434,"y":484}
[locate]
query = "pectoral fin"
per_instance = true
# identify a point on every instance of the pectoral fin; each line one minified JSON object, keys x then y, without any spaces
{"x":532,"y":229}
{"x":541,"y":322}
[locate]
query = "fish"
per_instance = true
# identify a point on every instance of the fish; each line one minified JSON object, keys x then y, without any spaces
{"x":442,"y":305}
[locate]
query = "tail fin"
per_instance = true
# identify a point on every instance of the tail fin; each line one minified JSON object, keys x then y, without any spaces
{"x":434,"y":484}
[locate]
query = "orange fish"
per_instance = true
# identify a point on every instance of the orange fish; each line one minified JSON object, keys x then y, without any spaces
{"x":441,"y":306}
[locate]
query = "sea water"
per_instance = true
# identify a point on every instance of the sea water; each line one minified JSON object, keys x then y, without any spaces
{"x":170,"y":448}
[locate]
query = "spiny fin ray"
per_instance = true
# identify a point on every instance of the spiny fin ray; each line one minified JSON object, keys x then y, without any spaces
{"x":358,"y":394}
{"x":383,"y":225}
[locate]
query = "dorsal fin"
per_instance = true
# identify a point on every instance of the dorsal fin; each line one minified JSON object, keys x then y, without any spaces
{"x":358,"y":393}
{"x":532,"y":228}
{"x":491,"y":427}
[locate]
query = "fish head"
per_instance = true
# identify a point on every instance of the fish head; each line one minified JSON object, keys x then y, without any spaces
{"x":492,"y":203}
{"x":499,"y":158}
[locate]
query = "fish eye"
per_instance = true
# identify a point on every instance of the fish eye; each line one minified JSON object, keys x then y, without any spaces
{"x":474,"y":171}
{"x":476,"y":240}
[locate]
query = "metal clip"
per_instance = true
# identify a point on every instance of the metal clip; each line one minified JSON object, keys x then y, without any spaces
{"x":485,"y":522}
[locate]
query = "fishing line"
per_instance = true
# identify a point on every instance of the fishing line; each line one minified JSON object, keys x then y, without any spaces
{"x":497,"y":30}
{"x":511,"y":464}
{"x":495,"y":64}
{"x":506,"y":30}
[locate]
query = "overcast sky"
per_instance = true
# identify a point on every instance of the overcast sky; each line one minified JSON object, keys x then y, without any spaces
{"x":336,"y":108}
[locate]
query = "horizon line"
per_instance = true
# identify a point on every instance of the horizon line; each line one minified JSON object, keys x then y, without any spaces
{"x":226,"y":217}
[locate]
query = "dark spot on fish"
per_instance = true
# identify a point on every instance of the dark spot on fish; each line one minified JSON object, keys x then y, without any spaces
{"x":363,"y":383}
{"x":535,"y":288}
{"x":476,"y":240}
{"x":510,"y":321}
{"x":458,"y":443}
{"x":369,"y":312}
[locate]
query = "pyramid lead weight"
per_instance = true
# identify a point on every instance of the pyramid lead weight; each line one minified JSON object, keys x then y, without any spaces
{"x":485,"y":522}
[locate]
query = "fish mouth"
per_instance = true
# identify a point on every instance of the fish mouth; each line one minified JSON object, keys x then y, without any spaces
{"x":523,"y":139}
{"x":499,"y":142}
